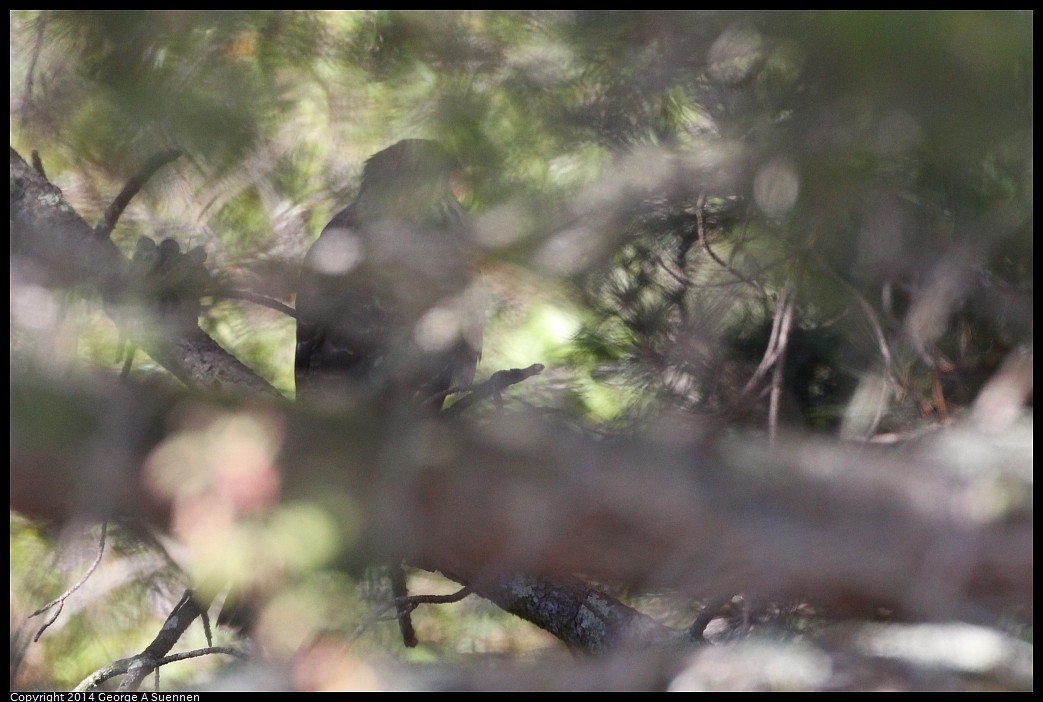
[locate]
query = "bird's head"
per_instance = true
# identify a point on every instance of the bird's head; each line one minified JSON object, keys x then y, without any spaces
{"x":411,"y":173}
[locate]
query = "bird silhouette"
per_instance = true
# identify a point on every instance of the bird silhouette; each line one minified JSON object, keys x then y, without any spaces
{"x":385,"y":305}
{"x":385,"y":301}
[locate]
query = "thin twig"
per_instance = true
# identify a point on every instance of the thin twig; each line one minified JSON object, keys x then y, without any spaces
{"x":701,"y":229}
{"x":204,"y":616}
{"x":493,"y":387}
{"x":209,"y":650}
{"x":128,"y":360}
{"x":177,"y":622}
{"x":260,"y":300}
{"x":60,"y":600}
{"x":683,"y":281}
{"x":125,"y":665}
{"x":783,"y":310}
{"x":411,"y":602}
{"x":112,"y":214}
{"x":878,"y":331}
{"x":776,"y":377}
{"x":416,"y":600}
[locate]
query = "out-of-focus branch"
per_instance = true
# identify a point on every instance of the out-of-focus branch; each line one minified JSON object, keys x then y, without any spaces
{"x":851,"y":657}
{"x":850,"y":527}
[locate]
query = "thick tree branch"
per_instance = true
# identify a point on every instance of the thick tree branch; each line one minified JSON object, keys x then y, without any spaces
{"x":583,"y":617}
{"x":50,"y":242}
{"x":52,"y":245}
{"x":851,"y":527}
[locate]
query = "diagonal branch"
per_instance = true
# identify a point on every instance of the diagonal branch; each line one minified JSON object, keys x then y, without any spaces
{"x":583,"y":617}
{"x":496,"y":384}
{"x":114,"y":210}
{"x":52,"y":246}
{"x":137,"y":668}
{"x":60,"y":600}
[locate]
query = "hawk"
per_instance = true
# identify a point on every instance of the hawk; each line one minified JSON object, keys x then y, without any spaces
{"x":385,"y":305}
